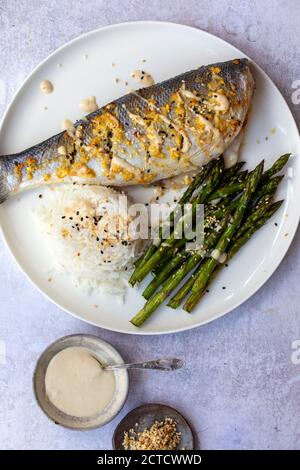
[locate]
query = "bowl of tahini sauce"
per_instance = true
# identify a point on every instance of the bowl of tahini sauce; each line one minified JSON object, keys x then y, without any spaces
{"x":72,"y":387}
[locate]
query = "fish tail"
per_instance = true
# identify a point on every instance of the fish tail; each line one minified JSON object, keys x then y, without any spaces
{"x":4,"y":190}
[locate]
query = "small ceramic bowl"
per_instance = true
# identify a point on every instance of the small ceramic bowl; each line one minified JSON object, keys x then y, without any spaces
{"x":144,"y":417}
{"x":106,"y":354}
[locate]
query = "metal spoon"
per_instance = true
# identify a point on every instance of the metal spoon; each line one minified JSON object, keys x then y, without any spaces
{"x":171,"y":363}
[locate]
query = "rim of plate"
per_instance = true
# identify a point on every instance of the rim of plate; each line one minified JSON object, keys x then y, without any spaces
{"x":270,"y":81}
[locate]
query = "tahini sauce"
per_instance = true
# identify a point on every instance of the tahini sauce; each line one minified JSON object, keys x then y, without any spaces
{"x":46,"y":87}
{"x":89,"y":105}
{"x":76,"y":383}
{"x":231,"y":154}
{"x":144,"y":78}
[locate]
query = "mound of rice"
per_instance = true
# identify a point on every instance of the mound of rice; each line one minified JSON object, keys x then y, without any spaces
{"x":89,"y":236}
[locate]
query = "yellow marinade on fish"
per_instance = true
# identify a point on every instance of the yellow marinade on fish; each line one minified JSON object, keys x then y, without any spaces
{"x":151,"y":134}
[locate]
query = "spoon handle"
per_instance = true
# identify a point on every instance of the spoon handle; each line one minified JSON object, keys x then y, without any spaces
{"x":158,"y":364}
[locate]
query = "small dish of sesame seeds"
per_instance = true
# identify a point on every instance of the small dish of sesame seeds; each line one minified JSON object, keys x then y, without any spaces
{"x":153,"y":427}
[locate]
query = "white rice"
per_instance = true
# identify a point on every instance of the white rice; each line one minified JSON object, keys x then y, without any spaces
{"x":89,"y":237}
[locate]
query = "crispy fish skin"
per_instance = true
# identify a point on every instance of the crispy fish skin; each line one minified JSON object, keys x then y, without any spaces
{"x":151,"y":134}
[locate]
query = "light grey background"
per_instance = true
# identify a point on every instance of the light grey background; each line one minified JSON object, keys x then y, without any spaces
{"x":241,"y":389}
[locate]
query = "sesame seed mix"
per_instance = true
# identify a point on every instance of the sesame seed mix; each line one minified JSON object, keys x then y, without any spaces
{"x":162,"y":435}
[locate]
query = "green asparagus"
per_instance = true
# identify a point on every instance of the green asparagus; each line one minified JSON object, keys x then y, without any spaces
{"x":276,"y":167}
{"x":174,"y":280}
{"x":176,"y":300}
{"x":247,"y":196}
{"x":231,"y":172}
{"x":209,"y":265}
{"x":197,"y":181}
{"x":209,"y":184}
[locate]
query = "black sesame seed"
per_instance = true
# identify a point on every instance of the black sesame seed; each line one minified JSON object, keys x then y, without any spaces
{"x":226,"y":265}
{"x":223,"y":287}
{"x":40,"y":196}
{"x":63,"y":216}
{"x":147,"y":204}
{"x":97,"y":239}
{"x":71,"y":218}
{"x":276,"y":224}
{"x":77,"y":213}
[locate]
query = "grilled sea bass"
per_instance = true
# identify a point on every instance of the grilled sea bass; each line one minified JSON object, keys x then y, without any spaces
{"x":151,"y":134}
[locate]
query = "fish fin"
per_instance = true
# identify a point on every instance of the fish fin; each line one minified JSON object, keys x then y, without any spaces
{"x":4,"y":191}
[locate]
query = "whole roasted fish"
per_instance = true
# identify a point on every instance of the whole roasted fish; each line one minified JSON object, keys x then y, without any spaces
{"x":148,"y":135}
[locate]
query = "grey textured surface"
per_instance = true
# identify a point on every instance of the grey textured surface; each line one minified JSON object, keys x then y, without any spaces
{"x":241,"y":389}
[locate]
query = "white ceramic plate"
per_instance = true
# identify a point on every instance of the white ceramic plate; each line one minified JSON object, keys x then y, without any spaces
{"x":86,"y":69}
